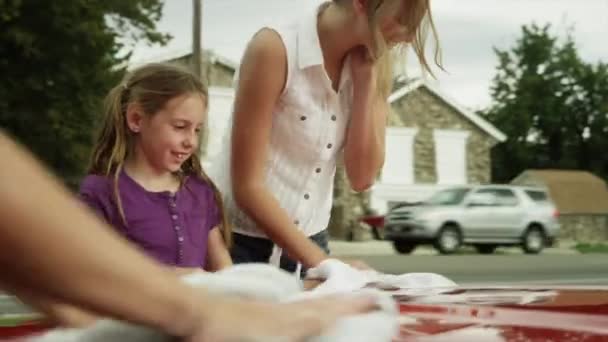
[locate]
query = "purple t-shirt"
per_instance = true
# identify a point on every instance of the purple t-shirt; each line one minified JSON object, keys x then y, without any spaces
{"x":171,"y":228}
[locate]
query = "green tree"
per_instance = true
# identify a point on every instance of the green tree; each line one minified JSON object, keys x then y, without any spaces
{"x":57,"y":60}
{"x":551,"y":104}
{"x":590,"y":118}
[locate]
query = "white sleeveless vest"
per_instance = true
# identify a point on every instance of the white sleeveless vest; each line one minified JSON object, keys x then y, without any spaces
{"x":308,"y":131}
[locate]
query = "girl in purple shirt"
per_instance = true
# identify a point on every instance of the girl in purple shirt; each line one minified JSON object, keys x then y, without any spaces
{"x":145,"y":177}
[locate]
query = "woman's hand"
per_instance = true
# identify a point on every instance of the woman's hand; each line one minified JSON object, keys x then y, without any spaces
{"x":247,"y":320}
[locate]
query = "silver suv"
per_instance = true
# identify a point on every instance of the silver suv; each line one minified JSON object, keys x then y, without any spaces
{"x":485,"y":216}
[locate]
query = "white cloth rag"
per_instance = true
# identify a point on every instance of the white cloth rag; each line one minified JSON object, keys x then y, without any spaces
{"x":260,"y":281}
{"x":340,"y":277}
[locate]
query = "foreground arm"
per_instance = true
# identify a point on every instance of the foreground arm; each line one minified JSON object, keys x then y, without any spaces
{"x":58,"y":251}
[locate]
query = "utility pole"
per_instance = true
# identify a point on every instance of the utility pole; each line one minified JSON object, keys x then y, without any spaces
{"x":197,"y":62}
{"x":197,"y":58}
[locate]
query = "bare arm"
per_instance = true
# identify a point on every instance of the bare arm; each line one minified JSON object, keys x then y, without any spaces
{"x":262,"y":79}
{"x":217,"y":252}
{"x":113,"y":279}
{"x":59,"y":313}
{"x":48,"y":237}
{"x":364,"y":147}
{"x":365,"y":139}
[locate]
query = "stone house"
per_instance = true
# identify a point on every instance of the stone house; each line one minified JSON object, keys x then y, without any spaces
{"x":431,"y":142}
{"x":581,"y":199}
{"x":218,"y":71}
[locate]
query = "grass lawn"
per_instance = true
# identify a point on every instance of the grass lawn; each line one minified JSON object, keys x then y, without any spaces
{"x":587,"y":248}
{"x":13,"y":320}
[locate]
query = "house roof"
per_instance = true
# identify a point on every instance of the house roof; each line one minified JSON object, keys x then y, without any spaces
{"x":179,"y":53}
{"x":483,"y":124}
{"x":573,"y":191}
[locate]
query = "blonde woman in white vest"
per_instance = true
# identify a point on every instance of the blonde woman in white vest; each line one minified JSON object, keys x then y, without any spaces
{"x":308,"y":93}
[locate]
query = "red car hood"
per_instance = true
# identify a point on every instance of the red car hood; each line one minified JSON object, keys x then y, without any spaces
{"x":506,"y":314}
{"x":471,"y":314}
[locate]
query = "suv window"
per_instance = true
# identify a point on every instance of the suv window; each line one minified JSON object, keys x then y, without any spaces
{"x":537,"y":195}
{"x":448,"y":197}
{"x":502,"y":197}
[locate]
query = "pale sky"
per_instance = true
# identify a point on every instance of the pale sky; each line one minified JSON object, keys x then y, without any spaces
{"x":468,"y":30}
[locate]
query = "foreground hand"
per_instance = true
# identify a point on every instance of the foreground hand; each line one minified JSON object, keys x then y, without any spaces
{"x":228,"y":320}
{"x":181,"y":271}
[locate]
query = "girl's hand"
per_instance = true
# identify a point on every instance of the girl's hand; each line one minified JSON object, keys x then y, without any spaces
{"x":363,"y":70}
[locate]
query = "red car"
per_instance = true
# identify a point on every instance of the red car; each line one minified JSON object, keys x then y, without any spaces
{"x":376,"y":223}
{"x":498,"y":314}
{"x":507,"y":314}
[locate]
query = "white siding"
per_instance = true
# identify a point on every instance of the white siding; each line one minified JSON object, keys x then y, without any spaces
{"x":451,"y":156}
{"x":220,"y":106}
{"x":399,"y":160}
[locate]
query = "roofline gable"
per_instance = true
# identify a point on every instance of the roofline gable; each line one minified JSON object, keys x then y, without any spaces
{"x":179,"y":53}
{"x":480,"y":122}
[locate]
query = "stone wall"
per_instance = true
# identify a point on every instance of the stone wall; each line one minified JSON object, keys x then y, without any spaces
{"x":423,"y":110}
{"x":347,"y":208}
{"x":215,"y":74}
{"x":584,"y":228}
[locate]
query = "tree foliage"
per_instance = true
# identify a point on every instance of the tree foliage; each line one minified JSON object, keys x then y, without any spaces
{"x":552,"y":105}
{"x":57,"y":60}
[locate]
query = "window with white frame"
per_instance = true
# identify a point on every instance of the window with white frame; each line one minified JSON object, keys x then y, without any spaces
{"x":399,"y":158}
{"x":451,"y":156}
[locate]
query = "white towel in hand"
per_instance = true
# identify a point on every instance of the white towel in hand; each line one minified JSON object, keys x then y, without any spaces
{"x":261,"y":281}
{"x":340,"y":277}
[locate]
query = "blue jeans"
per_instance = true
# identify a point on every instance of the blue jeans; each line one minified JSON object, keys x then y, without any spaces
{"x":253,"y":249}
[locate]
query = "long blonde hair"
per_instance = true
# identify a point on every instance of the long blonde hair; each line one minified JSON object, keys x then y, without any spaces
{"x":151,"y":86}
{"x":417,"y":18}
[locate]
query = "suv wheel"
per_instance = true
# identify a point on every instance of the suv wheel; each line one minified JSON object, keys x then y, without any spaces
{"x":533,"y":240}
{"x":448,"y":240}
{"x":485,"y":249}
{"x":404,"y":247}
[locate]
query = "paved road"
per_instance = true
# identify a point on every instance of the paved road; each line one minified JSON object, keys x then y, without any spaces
{"x":558,"y":269}
{"x":560,"y":265}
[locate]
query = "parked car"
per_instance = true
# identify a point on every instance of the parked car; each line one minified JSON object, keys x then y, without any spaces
{"x":485,"y":216}
{"x":375,"y":223}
